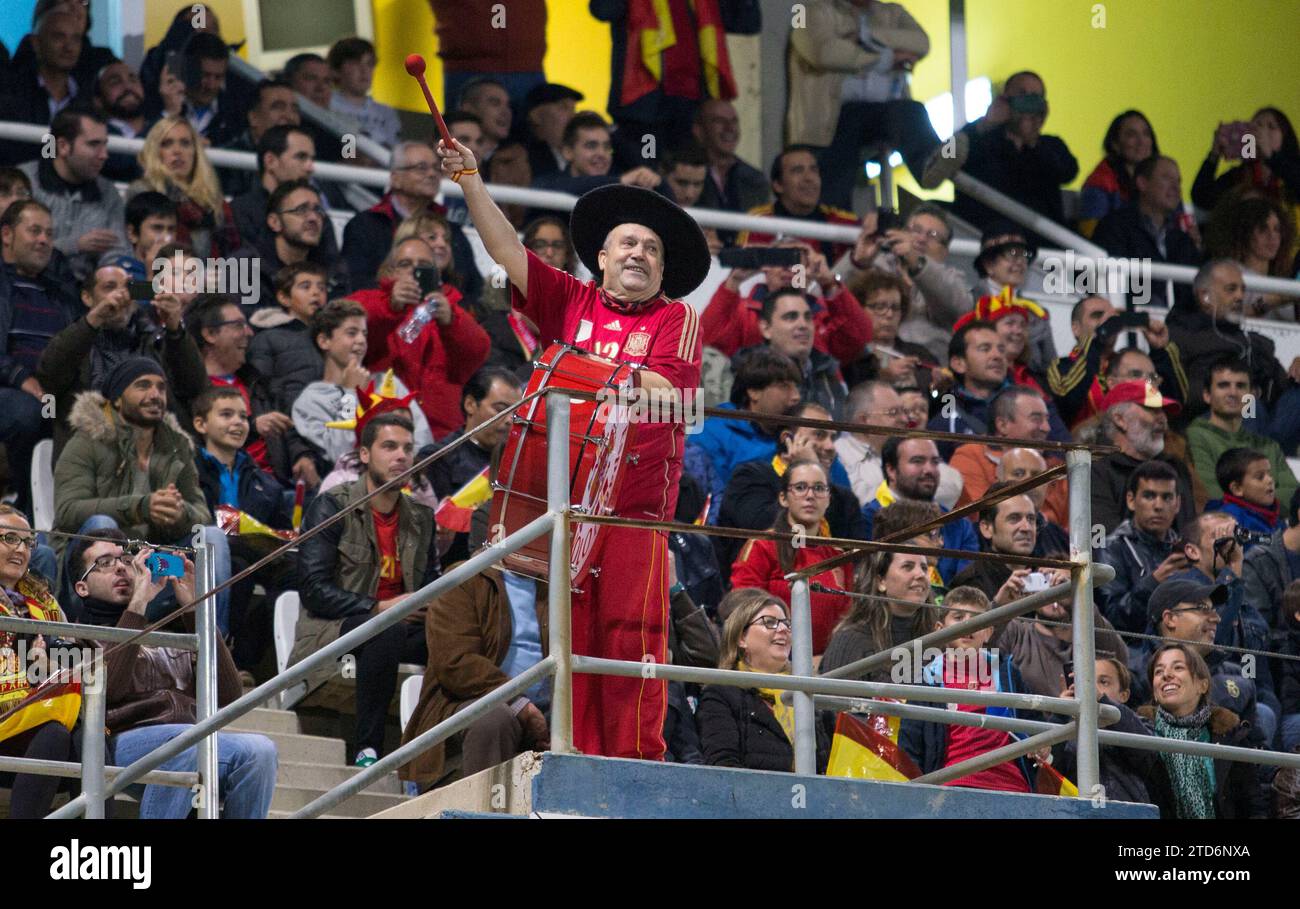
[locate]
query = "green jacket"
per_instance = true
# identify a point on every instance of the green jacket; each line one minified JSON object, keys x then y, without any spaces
{"x":1206,"y":443}
{"x":94,"y":473}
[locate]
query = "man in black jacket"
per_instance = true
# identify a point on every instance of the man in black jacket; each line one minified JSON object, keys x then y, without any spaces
{"x":295,"y":230}
{"x":368,"y":562}
{"x":1147,"y":228}
{"x":1141,"y":548}
{"x":285,"y":350}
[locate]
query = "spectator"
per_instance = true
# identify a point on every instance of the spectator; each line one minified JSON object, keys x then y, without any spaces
{"x":43,"y":79}
{"x":228,"y":476}
{"x":284,"y":350}
{"x":272,"y":104}
{"x":916,"y":406}
{"x":896,"y":596}
{"x":969,"y":662}
{"x":1274,"y":169}
{"x":129,"y":465}
{"x":731,"y":322}
{"x":86,"y":209}
{"x":479,"y":636}
{"x":1078,"y":381}
{"x":767,"y":383}
{"x":1227,"y":383}
{"x":222,"y":334}
{"x":732,"y":184}
{"x":309,"y":75}
{"x":151,"y":690}
{"x":804,"y":496}
{"x":150,"y":227}
{"x":1257,"y":233}
{"x":362,"y":565}
{"x":877,"y":404}
{"x":413,"y":182}
{"x":467,"y":129}
{"x":1148,"y":227}
{"x":447,"y":350}
{"x":797,"y":184}
{"x":1145,"y":550}
{"x":1289,"y":688}
{"x":30,"y":59}
{"x":1130,"y":140}
{"x":786,"y":323}
{"x":752,"y":728}
{"x":659,"y":97}
{"x":936,"y":294}
{"x":587,"y":148}
{"x":911,"y":469}
{"x":1271,"y":567}
{"x":295,"y":227}
{"x":888,"y":357}
{"x":547,"y":109}
{"x":1008,"y":528}
{"x":1016,"y":412}
{"x":685,"y":170}
{"x":1215,"y":329}
{"x":848,"y":73}
{"x":489,"y":101}
{"x":42,"y":736}
{"x":1185,"y":785}
{"x":321,"y":413}
{"x":1018,"y":464}
{"x":1249,"y":491}
{"x":352,"y":66}
{"x":14,"y":186}
{"x":749,"y":500}
{"x":1003,"y":263}
{"x":36,"y":303}
{"x":475,"y":42}
{"x":116,"y":328}
{"x":487,"y":393}
{"x":215,"y":113}
{"x":1009,"y":152}
{"x":1134,"y":418}
{"x":119,"y":98}
{"x":284,"y":154}
{"x":175,"y":165}
{"x":163,"y":59}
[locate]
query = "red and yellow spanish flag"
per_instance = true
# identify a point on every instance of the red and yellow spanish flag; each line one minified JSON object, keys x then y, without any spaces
{"x":657,"y":55}
{"x":1052,"y":783}
{"x":457,"y":510}
{"x":870,"y":750}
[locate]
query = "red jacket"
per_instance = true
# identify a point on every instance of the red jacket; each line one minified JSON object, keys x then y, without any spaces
{"x":841,"y":327}
{"x":436,"y":364}
{"x":758,"y":566}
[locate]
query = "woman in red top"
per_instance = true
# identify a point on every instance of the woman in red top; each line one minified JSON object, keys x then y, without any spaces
{"x":447,"y":350}
{"x":804,"y":497}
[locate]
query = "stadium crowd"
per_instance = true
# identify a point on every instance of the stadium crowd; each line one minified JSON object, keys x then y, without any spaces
{"x":197,"y":342}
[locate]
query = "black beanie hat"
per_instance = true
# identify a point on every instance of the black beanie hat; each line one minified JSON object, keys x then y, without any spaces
{"x":126,"y":372}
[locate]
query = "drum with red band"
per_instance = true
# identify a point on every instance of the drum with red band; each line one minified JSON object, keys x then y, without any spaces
{"x":597,"y":445}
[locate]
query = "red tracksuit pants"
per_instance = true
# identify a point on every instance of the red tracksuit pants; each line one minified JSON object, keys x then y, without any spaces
{"x":622,"y":614}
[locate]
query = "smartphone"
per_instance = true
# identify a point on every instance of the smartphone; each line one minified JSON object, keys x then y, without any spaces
{"x":1131,"y":320}
{"x":1068,"y":671}
{"x":1036,"y":581}
{"x":142,"y":290}
{"x":1237,"y":131}
{"x":429,"y":279}
{"x":1028,"y":104}
{"x":754,"y":257}
{"x":165,"y":565}
{"x":887,"y":219}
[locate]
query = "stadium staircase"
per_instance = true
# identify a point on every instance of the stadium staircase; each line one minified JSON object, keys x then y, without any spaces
{"x":564,"y":785}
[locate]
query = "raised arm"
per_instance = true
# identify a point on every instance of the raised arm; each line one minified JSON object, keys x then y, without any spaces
{"x":495,"y":230}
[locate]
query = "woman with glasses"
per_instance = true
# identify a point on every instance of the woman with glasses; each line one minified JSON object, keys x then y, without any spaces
{"x":804,"y":494}
{"x":175,"y":165}
{"x":751,"y":727}
{"x":1187,"y":785}
{"x":43,"y":729}
{"x":888,"y":358}
{"x":897,"y":593}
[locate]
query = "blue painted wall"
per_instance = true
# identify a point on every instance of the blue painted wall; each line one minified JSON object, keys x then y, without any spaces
{"x":15,"y":21}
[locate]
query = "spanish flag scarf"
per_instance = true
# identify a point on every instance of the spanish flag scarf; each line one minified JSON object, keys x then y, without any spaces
{"x":784,"y":712}
{"x":676,"y":44}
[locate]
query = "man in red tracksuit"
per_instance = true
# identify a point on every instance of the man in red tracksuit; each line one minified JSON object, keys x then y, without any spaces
{"x":626,"y":236}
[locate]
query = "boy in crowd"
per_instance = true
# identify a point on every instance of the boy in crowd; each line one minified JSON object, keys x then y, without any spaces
{"x":14,"y":185}
{"x":150,"y":226}
{"x":284,"y":349}
{"x":352,"y":64}
{"x":1249,"y":490}
{"x":228,"y":476}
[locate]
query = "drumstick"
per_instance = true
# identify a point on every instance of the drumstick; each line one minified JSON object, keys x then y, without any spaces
{"x":415,"y":66}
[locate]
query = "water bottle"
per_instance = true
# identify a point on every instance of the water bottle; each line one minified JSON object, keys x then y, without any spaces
{"x":420,"y":316}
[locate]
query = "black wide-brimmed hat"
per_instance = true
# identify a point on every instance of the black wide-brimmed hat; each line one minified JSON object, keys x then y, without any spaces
{"x":686,"y":252}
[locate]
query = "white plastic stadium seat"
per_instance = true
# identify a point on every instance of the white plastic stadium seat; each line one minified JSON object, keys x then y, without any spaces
{"x":410,"y":696}
{"x":283,"y":626}
{"x":43,"y":485}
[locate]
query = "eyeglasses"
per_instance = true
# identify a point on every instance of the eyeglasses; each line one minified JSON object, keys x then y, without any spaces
{"x":11,"y":538}
{"x":106,"y":563}
{"x":771,"y":622}
{"x":303,"y":211}
{"x":1205,"y":609}
{"x":884,"y":308}
{"x":1018,"y":253}
{"x":222,"y":324}
{"x":929,"y":234}
{"x":817,"y":489}
{"x":1137,"y":376}
{"x":423,"y":167}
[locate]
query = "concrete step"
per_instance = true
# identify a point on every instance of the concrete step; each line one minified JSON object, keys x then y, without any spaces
{"x":267,"y":721}
{"x":276,"y":814}
{"x":363,"y":804}
{"x":309,"y":775}
{"x":309,"y":749}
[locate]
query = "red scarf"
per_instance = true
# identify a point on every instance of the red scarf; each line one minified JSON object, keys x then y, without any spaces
{"x":674,"y":44}
{"x":1271,"y":514}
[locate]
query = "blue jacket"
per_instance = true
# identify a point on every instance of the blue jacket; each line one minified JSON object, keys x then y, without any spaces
{"x":1249,"y":518}
{"x":260,"y":494}
{"x":971,"y":416}
{"x":956,"y":535}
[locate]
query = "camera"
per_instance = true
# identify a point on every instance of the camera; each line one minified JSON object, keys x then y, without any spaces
{"x":428,"y":277}
{"x":1244,"y":537}
{"x":755,"y":257}
{"x":1036,"y":581}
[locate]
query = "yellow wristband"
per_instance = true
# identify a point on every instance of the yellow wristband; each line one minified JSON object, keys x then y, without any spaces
{"x":455,"y":178}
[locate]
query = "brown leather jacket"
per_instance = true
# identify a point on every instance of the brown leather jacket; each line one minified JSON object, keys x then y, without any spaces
{"x":151,"y":686}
